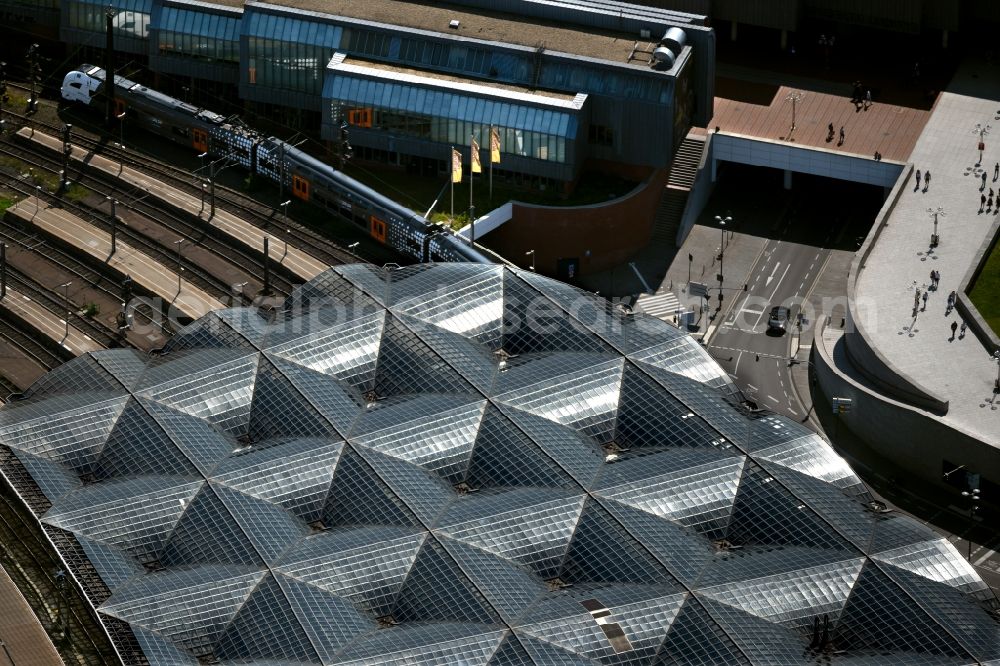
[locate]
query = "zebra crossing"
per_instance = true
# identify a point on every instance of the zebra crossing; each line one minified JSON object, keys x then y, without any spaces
{"x":662,"y":306}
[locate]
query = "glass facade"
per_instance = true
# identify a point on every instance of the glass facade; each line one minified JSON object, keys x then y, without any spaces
{"x":131,"y":20}
{"x":452,"y":117}
{"x":197,"y":34}
{"x":286,"y":53}
{"x":468,"y":464}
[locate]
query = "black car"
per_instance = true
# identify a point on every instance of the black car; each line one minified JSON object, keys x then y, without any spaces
{"x":778,"y":319}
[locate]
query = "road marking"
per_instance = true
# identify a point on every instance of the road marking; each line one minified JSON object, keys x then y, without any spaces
{"x":751,"y":387}
{"x":773,"y":398}
{"x":986,"y":556}
{"x":738,"y":362}
{"x":773,"y":271}
{"x":661,"y":305}
{"x":783,"y":274}
{"x":792,"y":410}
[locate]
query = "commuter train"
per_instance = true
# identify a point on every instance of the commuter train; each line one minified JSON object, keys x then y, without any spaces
{"x":307,"y":178}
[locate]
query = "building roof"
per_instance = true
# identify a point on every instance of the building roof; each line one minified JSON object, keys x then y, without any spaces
{"x":468,"y":464}
{"x":481,"y":25}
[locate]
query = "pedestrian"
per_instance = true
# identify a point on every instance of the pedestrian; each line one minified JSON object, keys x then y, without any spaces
{"x":951,"y":300}
{"x":927,"y":179}
{"x":982,"y":202}
{"x":996,"y":171}
{"x":937,"y":279}
{"x":954,"y":327}
{"x":989,"y":203}
{"x":918,"y":180}
{"x":842,"y":141}
{"x":961,"y":333}
{"x":925,"y":302}
{"x":984,"y":182}
{"x":868,"y":98}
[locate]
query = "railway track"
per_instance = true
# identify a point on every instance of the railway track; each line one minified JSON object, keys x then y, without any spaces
{"x":7,"y":387}
{"x":100,"y":333}
{"x":87,"y":135}
{"x":176,"y":225}
{"x":67,"y":263}
{"x":27,"y":344}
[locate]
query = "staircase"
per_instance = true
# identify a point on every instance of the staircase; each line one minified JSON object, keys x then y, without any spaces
{"x":683,"y":169}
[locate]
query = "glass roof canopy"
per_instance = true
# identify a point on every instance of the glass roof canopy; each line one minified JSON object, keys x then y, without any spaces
{"x":468,"y":464}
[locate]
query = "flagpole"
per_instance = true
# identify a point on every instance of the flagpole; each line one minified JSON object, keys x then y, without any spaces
{"x":491,"y":166}
{"x":472,"y":175}
{"x":451,"y":177}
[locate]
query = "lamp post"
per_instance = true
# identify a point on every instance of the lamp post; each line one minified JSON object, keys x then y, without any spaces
{"x":238,"y":289}
{"x":178,"y":244}
{"x":353,"y":245}
{"x":114,"y":225}
{"x":722,"y":241}
{"x":996,"y":384}
{"x":982,"y":130}
{"x":531,"y":253}
{"x":935,"y":212}
{"x":65,"y":287}
{"x":121,"y":144}
{"x":973,"y":496}
{"x":794,"y":97}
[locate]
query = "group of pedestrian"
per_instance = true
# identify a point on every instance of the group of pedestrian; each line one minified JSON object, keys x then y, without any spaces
{"x":878,"y":156}
{"x":829,"y":136}
{"x":935,"y":279}
{"x":926,"y":178}
{"x":862,"y":97}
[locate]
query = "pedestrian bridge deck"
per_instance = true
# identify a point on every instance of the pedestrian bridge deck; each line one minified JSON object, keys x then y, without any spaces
{"x":143,"y":269}
{"x":298,"y":262}
{"x":47,"y":323}
{"x":889,"y":129}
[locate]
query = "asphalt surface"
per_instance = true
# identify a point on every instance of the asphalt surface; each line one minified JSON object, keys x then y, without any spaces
{"x":799,"y":240}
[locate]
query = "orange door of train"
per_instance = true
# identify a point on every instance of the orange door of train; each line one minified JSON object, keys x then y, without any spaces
{"x":199,"y":140}
{"x":300,"y":187}
{"x":378,"y":228}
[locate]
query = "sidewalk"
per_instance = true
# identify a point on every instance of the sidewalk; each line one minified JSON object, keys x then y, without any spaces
{"x":924,"y":348}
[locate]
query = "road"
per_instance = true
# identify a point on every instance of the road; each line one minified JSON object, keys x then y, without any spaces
{"x":758,"y":359}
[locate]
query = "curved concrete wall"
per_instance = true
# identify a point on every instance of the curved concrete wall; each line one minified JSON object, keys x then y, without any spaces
{"x":600,"y":235}
{"x":913,"y":439}
{"x":866,"y":359}
{"x":964,"y":304}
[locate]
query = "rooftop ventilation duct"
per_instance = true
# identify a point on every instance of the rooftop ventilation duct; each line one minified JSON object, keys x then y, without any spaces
{"x":663,"y":58}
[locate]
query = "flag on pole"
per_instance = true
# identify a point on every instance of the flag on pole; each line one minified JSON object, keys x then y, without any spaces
{"x":456,"y":166}
{"x":477,"y":166}
{"x":494,"y":145}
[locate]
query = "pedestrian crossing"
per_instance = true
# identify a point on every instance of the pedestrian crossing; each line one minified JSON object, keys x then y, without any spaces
{"x":662,"y":306}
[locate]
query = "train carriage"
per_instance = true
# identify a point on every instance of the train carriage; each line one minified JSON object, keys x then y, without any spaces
{"x":306,"y":177}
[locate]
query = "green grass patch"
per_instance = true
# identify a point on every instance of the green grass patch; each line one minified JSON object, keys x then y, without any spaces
{"x":6,"y":202}
{"x":985,"y":293}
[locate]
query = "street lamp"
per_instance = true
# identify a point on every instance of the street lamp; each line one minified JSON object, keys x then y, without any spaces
{"x":121,"y":122}
{"x":935,"y":212}
{"x":982,"y":130}
{"x":178,"y":244}
{"x":65,"y":288}
{"x":238,"y":289}
{"x":722,"y":240}
{"x":114,"y":225}
{"x":353,"y":245}
{"x":973,"y":496}
{"x":531,"y":253}
{"x":996,"y":385}
{"x":794,"y":97}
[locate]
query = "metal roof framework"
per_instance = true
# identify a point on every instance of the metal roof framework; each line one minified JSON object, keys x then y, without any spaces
{"x":467,"y":464}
